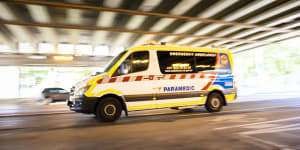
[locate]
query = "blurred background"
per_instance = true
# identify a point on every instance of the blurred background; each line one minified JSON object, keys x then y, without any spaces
{"x":269,"y":69}
{"x":58,"y":43}
{"x":46,"y":46}
{"x":264,"y":70}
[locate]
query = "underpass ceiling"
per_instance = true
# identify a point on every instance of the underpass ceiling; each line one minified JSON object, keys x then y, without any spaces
{"x":236,"y":24}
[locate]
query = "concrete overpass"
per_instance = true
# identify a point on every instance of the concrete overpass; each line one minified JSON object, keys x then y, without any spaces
{"x":99,"y":29}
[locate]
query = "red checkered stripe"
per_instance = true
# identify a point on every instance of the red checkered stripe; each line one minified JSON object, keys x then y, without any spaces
{"x":156,"y":77}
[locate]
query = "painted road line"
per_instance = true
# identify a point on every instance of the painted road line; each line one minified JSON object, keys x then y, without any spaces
{"x":250,"y":109}
{"x":279,"y":128}
{"x":264,"y":108}
{"x":253,"y":99}
{"x":176,"y":114}
{"x":35,"y":114}
{"x":258,"y":123}
{"x":195,"y":114}
{"x":266,"y":144}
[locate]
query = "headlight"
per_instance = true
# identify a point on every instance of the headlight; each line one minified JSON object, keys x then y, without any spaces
{"x":82,"y":90}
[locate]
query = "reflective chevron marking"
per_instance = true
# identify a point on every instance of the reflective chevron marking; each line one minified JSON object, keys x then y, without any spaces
{"x":159,"y":77}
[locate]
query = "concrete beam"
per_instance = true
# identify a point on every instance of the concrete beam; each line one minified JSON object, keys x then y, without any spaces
{"x":22,"y":34}
{"x":264,"y":34}
{"x":276,"y":38}
{"x":269,"y":13}
{"x":41,"y":15}
{"x":106,"y":20}
{"x":134,"y":22}
{"x":179,"y":9}
{"x":6,"y":41}
{"x":74,"y":17}
{"x":229,"y":17}
{"x":208,"y":13}
{"x":15,"y":59}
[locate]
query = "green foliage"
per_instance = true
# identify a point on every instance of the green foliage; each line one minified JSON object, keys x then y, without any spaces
{"x":38,"y":80}
{"x":279,"y":59}
{"x":285,"y":58}
{"x":30,"y":71}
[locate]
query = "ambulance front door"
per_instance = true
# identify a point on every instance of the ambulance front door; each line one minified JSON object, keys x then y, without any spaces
{"x":136,"y":85}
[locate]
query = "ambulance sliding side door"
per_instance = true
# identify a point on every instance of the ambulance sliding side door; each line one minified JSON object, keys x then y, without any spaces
{"x":183,"y":82}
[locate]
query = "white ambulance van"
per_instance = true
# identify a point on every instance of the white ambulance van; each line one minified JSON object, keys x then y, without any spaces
{"x":157,"y":76}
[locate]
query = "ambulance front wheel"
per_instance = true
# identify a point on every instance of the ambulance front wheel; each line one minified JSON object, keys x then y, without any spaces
{"x":214,"y":102}
{"x":109,"y":109}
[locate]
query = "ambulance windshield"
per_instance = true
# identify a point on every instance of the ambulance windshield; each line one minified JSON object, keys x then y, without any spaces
{"x":114,"y":61}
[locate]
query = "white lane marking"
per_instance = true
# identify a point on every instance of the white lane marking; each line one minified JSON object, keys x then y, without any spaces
{"x":229,"y":118}
{"x":262,"y":126}
{"x":279,"y":128}
{"x":196,"y":114}
{"x":258,"y":123}
{"x":266,"y":127}
{"x":263,"y":108}
{"x":268,"y":143}
{"x":237,"y":118}
{"x":202,"y":114}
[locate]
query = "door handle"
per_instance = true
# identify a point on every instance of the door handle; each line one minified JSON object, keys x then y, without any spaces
{"x":150,"y":77}
{"x":153,"y":77}
{"x":160,"y":77}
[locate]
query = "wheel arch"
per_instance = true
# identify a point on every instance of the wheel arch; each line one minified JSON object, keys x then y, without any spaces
{"x":220,"y":92}
{"x":119,"y":98}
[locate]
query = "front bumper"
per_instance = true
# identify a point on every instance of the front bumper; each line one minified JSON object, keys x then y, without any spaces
{"x":82,"y":104}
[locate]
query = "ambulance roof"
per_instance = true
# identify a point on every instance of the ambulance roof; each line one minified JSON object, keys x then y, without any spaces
{"x":179,"y":48}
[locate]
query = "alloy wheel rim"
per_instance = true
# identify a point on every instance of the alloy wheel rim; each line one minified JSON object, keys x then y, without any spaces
{"x":215,"y":102}
{"x":110,"y":109}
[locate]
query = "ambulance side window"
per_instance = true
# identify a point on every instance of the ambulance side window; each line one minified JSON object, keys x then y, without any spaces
{"x":172,"y":62}
{"x":124,"y":68}
{"x":135,"y":62}
{"x":224,"y":63}
{"x":205,"y":62}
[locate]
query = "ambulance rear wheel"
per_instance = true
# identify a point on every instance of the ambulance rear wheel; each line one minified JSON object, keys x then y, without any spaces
{"x":109,"y":109}
{"x":214,"y":102}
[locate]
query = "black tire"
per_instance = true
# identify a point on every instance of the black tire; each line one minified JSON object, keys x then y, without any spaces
{"x":109,"y":109}
{"x":214,"y":102}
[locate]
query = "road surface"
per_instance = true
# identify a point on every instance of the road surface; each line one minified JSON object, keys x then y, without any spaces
{"x":253,"y":125}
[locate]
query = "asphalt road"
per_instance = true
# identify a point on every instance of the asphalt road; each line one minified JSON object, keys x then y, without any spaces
{"x":254,"y":125}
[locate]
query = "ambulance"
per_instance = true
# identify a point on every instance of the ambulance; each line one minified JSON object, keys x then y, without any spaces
{"x":157,"y":76}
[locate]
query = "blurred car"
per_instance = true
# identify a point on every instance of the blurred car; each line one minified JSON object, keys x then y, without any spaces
{"x":55,"y":94}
